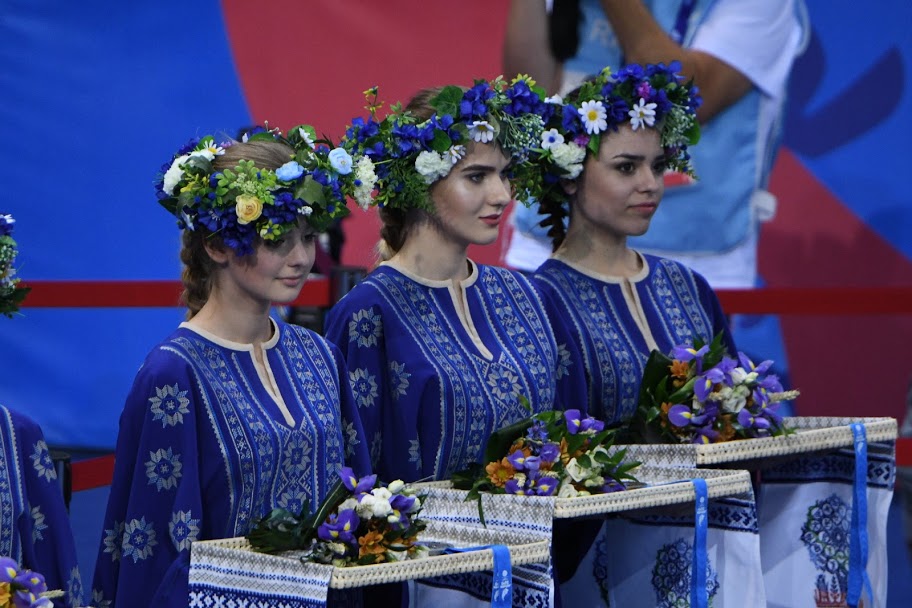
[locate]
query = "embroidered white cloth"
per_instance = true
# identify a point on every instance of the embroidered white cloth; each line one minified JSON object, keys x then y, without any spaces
{"x":509,"y":519}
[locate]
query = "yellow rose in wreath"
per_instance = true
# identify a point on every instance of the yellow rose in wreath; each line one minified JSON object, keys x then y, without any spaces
{"x":248,"y":208}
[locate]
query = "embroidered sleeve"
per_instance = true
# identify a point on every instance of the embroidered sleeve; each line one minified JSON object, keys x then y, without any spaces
{"x":47,"y":543}
{"x":155,"y":508}
{"x":358,"y":332}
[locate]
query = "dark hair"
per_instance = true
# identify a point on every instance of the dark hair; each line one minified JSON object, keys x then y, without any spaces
{"x":197,"y":273}
{"x":397,"y":222}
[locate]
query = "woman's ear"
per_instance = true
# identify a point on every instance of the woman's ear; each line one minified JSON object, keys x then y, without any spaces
{"x":217,"y":252}
{"x":570,"y":186}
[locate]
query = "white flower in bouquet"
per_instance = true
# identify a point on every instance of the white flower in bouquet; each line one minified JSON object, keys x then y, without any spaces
{"x":382,"y":493}
{"x":567,"y":490}
{"x":395,"y":487}
{"x":348,"y":504}
{"x":371,"y":506}
{"x":741,"y":376}
{"x":734,"y":398}
{"x":576,"y":471}
{"x":596,"y":481}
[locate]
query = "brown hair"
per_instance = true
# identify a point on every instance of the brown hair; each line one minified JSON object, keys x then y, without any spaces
{"x":197,"y":274}
{"x":397,"y":222}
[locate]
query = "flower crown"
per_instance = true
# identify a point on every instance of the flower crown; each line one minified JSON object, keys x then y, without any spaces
{"x":653,"y":96}
{"x":245,"y":202}
{"x":11,"y":294}
{"x":400,"y":156}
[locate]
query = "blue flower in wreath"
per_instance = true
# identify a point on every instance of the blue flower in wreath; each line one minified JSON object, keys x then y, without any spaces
{"x":671,"y":575}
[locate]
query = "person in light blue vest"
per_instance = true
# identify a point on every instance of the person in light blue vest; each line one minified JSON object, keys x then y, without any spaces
{"x":738,"y":52}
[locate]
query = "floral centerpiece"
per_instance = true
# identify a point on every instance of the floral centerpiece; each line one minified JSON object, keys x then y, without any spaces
{"x":22,"y":588}
{"x":11,"y":293}
{"x":563,"y":454}
{"x":360,"y":522}
{"x":700,"y":394}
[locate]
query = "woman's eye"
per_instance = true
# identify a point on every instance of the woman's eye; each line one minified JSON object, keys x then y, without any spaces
{"x":477,"y":178}
{"x":309,"y":238}
{"x":659,"y":168}
{"x":274,"y":244}
{"x":626,"y":168}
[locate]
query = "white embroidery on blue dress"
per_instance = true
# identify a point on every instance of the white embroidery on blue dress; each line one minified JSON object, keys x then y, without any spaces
{"x":364,"y":387}
{"x":38,"y":524}
{"x":163,"y":469}
{"x":41,"y":459}
{"x":399,"y":379}
{"x":98,"y":599}
{"x":74,"y":587}
{"x":169,"y":405}
{"x":365,"y":328}
{"x":138,"y":539}
{"x":183,"y":529}
{"x":113,"y":540}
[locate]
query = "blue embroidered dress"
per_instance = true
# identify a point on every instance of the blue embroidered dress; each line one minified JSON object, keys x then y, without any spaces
{"x":210,"y":441}
{"x":34,"y":523}
{"x":616,"y":322}
{"x":436,"y":368}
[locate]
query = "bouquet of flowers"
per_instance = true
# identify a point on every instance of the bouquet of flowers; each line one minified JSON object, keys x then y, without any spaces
{"x":549,"y":454}
{"x":11,"y":293}
{"x":702,"y":395}
{"x":360,"y":522}
{"x":20,"y":588}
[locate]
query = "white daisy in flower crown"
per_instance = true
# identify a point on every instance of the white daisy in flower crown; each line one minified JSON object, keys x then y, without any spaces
{"x":650,"y":96}
{"x":409,"y":153}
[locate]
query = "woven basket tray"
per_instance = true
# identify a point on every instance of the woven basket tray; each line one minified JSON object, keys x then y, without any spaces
{"x":665,"y":486}
{"x":813,"y":434}
{"x":360,"y":576}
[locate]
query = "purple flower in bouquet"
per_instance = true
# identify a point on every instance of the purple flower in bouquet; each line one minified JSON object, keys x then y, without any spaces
{"x":748,"y":365}
{"x":749,"y":420}
{"x":538,"y":431}
{"x":573,"y":419}
{"x":689,"y":353}
{"x":515,"y":486}
{"x":340,"y":527}
{"x":519,"y":460}
{"x":577,"y":424}
{"x":549,"y":453}
{"x":546,"y":485}
{"x":705,"y":434}
{"x":357,"y":486}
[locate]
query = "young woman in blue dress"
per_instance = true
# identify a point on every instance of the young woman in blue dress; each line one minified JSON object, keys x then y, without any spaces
{"x":441,"y":350}
{"x":235,"y":413}
{"x":611,"y":142}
